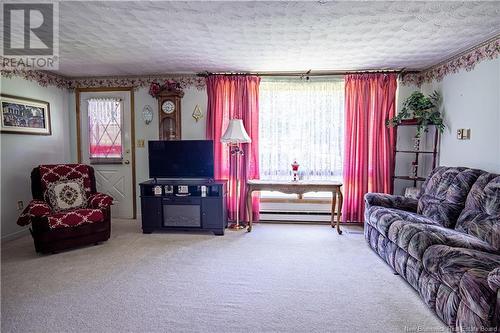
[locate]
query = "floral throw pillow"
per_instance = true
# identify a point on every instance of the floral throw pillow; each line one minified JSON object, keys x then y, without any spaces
{"x":67,"y":195}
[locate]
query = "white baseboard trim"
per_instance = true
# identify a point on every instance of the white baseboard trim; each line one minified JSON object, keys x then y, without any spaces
{"x":14,"y":235}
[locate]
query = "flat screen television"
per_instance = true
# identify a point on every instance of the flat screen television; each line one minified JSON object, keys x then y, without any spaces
{"x":181,"y":159}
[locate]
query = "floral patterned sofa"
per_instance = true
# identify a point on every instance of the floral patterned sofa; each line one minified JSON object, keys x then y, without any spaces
{"x":446,"y":244}
{"x":66,"y":210}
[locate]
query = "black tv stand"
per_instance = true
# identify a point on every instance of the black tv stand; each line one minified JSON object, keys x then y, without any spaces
{"x":183,"y":204}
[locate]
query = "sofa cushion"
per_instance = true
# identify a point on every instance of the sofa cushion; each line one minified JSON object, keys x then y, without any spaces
{"x":75,"y":218}
{"x":465,"y":271}
{"x":381,"y":218}
{"x":415,"y":238}
{"x":444,"y":192}
{"x":481,"y":215}
{"x":66,"y":195}
{"x":494,"y":279}
{"x":391,"y":201}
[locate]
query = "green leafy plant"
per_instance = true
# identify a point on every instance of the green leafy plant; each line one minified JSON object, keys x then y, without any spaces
{"x":425,"y":109}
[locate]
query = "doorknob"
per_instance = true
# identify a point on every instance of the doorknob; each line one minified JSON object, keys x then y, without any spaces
{"x":126,"y":162}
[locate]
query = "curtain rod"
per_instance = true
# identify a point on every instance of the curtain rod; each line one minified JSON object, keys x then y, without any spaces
{"x":308,"y":73}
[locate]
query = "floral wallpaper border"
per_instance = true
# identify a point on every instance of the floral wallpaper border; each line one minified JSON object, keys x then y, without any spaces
{"x":468,"y":60}
{"x":44,"y":79}
{"x":185,"y":81}
{"x":49,"y":79}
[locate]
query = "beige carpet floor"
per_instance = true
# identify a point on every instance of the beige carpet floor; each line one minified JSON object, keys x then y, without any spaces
{"x":279,"y":278}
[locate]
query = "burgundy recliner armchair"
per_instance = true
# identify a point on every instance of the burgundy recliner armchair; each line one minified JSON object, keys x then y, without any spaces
{"x":54,"y":228}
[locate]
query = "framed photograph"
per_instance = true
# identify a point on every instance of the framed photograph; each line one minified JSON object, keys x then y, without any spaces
{"x":24,"y":116}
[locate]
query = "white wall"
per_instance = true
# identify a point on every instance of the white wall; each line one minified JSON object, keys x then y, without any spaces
{"x":21,"y":153}
{"x":471,"y":100}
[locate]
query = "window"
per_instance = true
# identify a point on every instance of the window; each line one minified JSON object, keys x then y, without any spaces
{"x":105,"y":134}
{"x":303,"y":121}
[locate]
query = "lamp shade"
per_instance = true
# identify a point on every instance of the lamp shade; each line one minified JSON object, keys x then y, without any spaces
{"x":235,"y":133}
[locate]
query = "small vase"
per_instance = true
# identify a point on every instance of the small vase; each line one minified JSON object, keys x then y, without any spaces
{"x":295,"y":171}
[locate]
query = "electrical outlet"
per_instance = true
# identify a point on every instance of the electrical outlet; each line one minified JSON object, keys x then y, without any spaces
{"x":140,"y":143}
{"x":20,"y":205}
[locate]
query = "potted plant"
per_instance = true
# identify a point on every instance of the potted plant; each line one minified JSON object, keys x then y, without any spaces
{"x":425,"y":109}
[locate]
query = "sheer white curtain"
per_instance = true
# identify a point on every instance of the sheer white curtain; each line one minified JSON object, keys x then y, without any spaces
{"x":303,"y":121}
{"x":105,"y":123}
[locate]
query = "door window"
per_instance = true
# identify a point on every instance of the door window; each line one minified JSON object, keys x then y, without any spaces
{"x":105,"y":121}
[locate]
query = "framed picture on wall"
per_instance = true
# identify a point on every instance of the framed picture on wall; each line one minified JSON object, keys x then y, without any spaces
{"x":24,"y":115}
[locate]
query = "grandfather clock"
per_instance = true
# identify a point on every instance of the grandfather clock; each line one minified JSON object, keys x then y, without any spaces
{"x":169,"y":108}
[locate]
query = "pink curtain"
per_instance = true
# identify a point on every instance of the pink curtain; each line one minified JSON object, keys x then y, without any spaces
{"x":369,"y":144}
{"x":235,"y":97}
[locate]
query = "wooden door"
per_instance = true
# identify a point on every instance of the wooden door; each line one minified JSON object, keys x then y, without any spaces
{"x":106,"y":144}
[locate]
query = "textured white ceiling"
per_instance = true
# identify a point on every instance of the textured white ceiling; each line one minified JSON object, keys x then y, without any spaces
{"x":134,"y":38}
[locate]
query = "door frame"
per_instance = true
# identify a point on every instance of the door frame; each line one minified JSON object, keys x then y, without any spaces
{"x":78,"y":91}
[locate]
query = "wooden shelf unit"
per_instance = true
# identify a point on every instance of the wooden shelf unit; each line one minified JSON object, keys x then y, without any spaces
{"x":418,"y":153}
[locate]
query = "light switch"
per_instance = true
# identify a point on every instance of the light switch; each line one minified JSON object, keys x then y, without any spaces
{"x":140,"y":143}
{"x":463,"y":134}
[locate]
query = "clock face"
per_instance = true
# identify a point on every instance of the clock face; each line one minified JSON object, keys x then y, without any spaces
{"x":168,"y":107}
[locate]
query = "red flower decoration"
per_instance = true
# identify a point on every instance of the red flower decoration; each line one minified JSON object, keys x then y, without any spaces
{"x":155,"y":88}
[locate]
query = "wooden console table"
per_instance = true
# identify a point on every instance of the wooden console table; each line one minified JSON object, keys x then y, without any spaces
{"x":297,"y":187}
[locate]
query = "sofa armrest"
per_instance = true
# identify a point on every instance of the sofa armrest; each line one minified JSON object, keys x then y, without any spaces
{"x":36,"y":208}
{"x":99,"y":200}
{"x":391,"y":201}
{"x":494,"y":279}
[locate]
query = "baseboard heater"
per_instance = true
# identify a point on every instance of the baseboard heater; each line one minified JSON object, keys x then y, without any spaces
{"x":296,"y":213}
{"x":295,"y":216}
